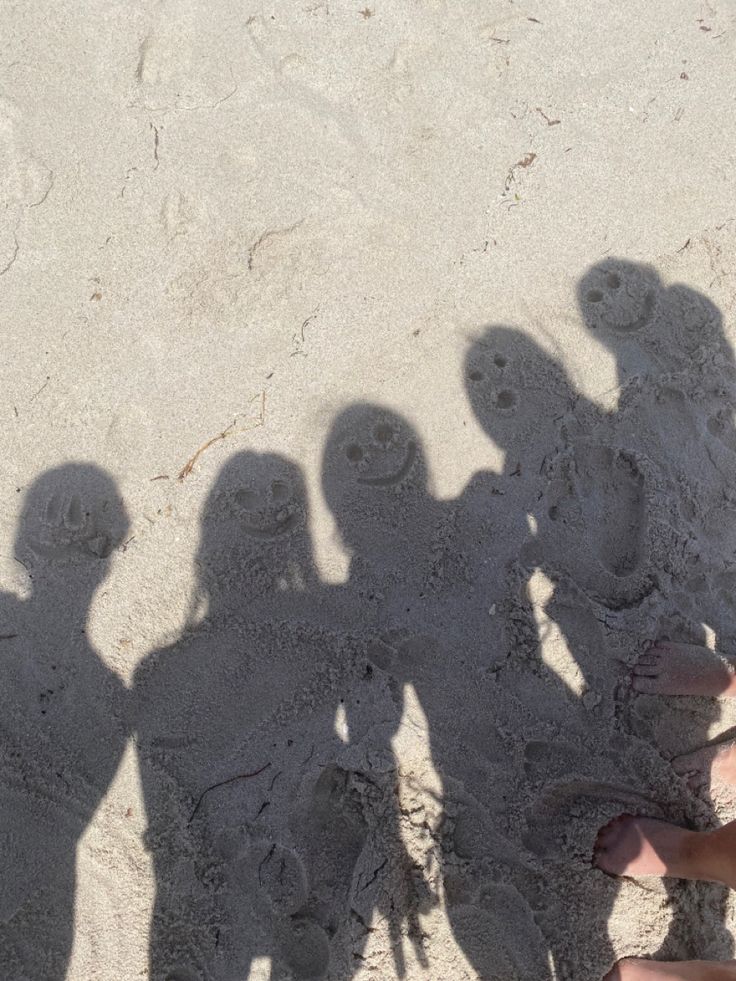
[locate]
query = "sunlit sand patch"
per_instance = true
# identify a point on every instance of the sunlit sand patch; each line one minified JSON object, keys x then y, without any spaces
{"x":260,"y":969}
{"x":115,"y":884}
{"x":420,"y":799}
{"x":554,"y":650}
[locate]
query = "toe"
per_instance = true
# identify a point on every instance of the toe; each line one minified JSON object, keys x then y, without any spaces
{"x":684,"y":764}
{"x":661,"y":647}
{"x":693,"y":766}
{"x":646,"y":685}
{"x":607,"y":836}
{"x":649,"y":658}
{"x":646,"y":670}
{"x":602,"y":842}
{"x":696,"y":780}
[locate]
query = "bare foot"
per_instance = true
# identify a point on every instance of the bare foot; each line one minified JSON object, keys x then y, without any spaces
{"x":639,"y":846}
{"x":684,"y":669}
{"x":709,"y":766}
{"x":637,"y":969}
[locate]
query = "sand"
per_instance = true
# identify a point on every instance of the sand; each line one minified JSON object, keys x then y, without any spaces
{"x":368,"y":402}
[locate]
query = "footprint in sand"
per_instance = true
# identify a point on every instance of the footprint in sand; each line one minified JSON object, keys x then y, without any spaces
{"x":676,"y":411}
{"x":474,"y":838}
{"x":304,"y":946}
{"x":618,"y":296}
{"x":560,"y":820}
{"x":330,"y":830}
{"x":404,"y":655}
{"x":499,"y":935}
{"x":279,"y":877}
{"x":551,"y":761}
{"x":721,"y":425}
{"x":610,"y":488}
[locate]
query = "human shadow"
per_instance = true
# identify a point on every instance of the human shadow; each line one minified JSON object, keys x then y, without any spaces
{"x":447,"y":728}
{"x":62,"y":715}
{"x":676,"y":389}
{"x":424,"y":574}
{"x":253,"y":836}
{"x":622,"y":520}
{"x":566,"y":585}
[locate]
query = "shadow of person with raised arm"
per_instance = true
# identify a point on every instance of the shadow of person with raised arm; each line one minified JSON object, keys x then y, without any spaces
{"x":585,"y":582}
{"x":240,"y":814}
{"x":677,"y":387}
{"x":553,"y":662}
{"x":62,"y":713}
{"x":618,"y":533}
{"x":422,"y":580}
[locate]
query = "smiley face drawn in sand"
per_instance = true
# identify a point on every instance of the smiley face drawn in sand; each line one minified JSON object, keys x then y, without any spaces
{"x":619,"y":296}
{"x":371,"y":449}
{"x":516,"y":390}
{"x":268,"y":509}
{"x":374,"y":479}
{"x":260,"y":497}
{"x":488,"y":381}
{"x":74,"y":519}
{"x":254,"y":528}
{"x":380,"y":453}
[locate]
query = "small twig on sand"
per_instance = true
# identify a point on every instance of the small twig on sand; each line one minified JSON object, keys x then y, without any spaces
{"x":223,"y":783}
{"x":546,"y":118}
{"x":526,"y":161}
{"x":36,"y":394}
{"x":230,"y":431}
{"x":266,"y":858}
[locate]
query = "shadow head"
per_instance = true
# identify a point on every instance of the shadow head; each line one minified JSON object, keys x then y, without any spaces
{"x":73,"y":519}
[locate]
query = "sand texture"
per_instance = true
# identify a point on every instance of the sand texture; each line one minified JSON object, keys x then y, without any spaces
{"x":367,"y":397}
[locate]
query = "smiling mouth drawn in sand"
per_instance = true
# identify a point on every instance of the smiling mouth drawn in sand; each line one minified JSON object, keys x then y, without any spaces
{"x":618,"y":296}
{"x":384,"y":448}
{"x":269,"y":512}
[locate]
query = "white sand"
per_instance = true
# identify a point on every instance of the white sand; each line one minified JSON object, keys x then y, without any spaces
{"x":264,"y":221}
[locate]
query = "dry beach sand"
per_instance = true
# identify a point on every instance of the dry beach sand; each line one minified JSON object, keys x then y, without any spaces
{"x":368,"y":401}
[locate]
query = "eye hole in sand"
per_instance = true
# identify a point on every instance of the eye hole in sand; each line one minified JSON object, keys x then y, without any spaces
{"x":506,"y":399}
{"x":53,"y":510}
{"x":354,"y":453}
{"x":594,"y":296}
{"x":475,"y":375}
{"x":500,"y":361}
{"x":383,"y":433}
{"x":68,"y":527}
{"x":280,"y":491}
{"x":246,"y":498}
{"x":613,"y":281}
{"x":74,"y":519}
